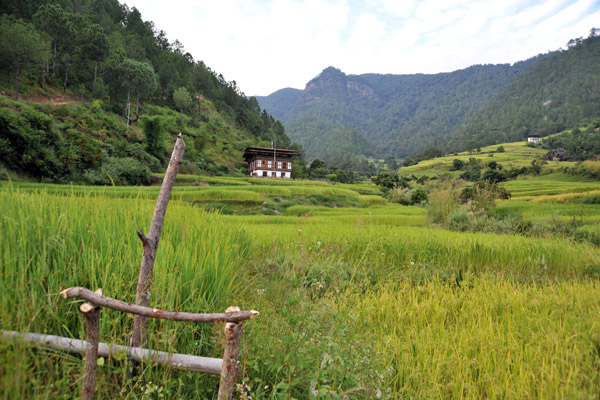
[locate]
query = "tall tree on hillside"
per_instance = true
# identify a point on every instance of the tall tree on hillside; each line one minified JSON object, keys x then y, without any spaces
{"x":53,"y":20}
{"x":94,"y":45}
{"x":137,"y":79}
{"x":20,"y":44}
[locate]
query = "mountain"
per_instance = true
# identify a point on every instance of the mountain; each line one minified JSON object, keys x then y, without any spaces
{"x":560,"y":92}
{"x":401,"y":115}
{"x":279,"y":102}
{"x":391,"y":115}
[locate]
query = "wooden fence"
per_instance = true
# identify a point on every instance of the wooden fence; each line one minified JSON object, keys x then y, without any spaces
{"x":227,"y":367}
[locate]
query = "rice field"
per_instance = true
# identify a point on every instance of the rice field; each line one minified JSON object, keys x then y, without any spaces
{"x":365,"y":300}
{"x":515,"y":155}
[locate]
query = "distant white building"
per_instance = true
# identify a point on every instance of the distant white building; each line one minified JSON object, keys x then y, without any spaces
{"x":533,"y":139}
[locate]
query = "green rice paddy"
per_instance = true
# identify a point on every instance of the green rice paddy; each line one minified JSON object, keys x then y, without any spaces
{"x":358,"y":298}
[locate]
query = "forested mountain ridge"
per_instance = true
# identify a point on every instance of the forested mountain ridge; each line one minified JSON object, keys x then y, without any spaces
{"x":340,"y":116}
{"x":127,"y":72}
{"x":561,"y":92}
{"x":397,"y":114}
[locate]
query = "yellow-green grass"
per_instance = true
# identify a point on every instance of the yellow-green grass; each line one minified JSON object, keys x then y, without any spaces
{"x":391,"y":247}
{"x":516,"y":154}
{"x":560,"y":198}
{"x":52,"y":242}
{"x":487,"y":338}
{"x":362,"y":302}
{"x":550,"y":212}
{"x":551,"y":184}
{"x":466,"y":315}
{"x":190,"y":193}
{"x":371,"y":200}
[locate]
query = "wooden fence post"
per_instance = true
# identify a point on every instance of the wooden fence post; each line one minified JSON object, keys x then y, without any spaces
{"x":229,"y":368}
{"x":150,"y":243}
{"x":92,"y":336}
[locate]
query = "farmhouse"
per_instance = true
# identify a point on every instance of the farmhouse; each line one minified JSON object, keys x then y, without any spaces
{"x":533,"y":139}
{"x":268,"y":162}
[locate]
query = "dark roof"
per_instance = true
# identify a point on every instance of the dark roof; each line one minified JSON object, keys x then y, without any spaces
{"x":268,"y":151}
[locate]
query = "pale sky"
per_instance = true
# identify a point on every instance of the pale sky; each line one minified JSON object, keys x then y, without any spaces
{"x":267,"y":45}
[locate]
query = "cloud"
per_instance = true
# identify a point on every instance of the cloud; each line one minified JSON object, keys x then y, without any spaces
{"x":271,"y":44}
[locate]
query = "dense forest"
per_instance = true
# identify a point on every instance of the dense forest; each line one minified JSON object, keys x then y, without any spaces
{"x":400,"y":116}
{"x":131,"y":85}
{"x":561,"y":92}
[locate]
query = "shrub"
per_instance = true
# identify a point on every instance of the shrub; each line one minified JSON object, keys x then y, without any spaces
{"x":154,"y":136}
{"x":419,"y":196}
{"x":124,"y":171}
{"x":457,"y":165}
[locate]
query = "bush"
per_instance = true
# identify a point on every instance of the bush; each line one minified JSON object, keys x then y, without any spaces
{"x":124,"y":171}
{"x":419,"y":196}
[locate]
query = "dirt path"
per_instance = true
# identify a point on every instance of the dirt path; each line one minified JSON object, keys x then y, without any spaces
{"x":60,"y":99}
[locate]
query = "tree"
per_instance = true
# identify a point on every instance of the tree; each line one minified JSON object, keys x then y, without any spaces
{"x":137,"y":79}
{"x":457,"y":165}
{"x":386,"y":179}
{"x":154,"y":132}
{"x":94,"y":45}
{"x":183,"y":100}
{"x":21,"y":44}
{"x":53,"y":20}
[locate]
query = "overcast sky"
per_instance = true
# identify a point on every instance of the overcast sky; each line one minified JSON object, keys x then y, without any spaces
{"x":267,"y":45}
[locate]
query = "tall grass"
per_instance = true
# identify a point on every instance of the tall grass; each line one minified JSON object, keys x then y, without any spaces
{"x":51,"y":242}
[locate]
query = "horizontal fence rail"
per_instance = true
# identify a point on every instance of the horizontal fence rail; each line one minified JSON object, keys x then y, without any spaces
{"x":99,"y":300}
{"x":78,"y":346}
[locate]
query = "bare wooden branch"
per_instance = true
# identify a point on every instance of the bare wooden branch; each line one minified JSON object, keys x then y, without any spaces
{"x":86,"y":294}
{"x":77,"y":346}
{"x":229,"y":369}
{"x":150,"y":245}
{"x":92,"y":332}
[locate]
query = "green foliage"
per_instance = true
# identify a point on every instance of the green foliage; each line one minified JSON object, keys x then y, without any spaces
{"x":387,"y":180}
{"x":578,"y":145}
{"x":108,"y":52}
{"x":457,"y":165}
{"x":472,"y":170}
{"x":21,"y":46}
{"x":555,"y":94}
{"x":123,"y":171}
{"x":155,"y":136}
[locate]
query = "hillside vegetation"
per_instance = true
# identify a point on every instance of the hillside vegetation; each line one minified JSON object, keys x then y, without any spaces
{"x":99,"y":93}
{"x":560,"y":92}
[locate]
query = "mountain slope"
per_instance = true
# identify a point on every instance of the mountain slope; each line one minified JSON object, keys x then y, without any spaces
{"x":279,"y":102}
{"x":398,"y":114}
{"x":562,"y":91}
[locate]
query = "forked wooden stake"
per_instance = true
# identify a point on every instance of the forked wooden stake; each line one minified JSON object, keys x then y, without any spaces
{"x":229,"y":368}
{"x":92,"y":335}
{"x":150,"y":242}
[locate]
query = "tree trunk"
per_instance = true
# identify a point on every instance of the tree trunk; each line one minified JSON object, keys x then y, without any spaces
{"x":95,"y":70}
{"x":126,"y":110}
{"x":114,"y":304}
{"x":66,"y":80}
{"x":150,"y":243}
{"x":184,"y":362}
{"x":17,"y":81}
{"x":54,"y":59}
